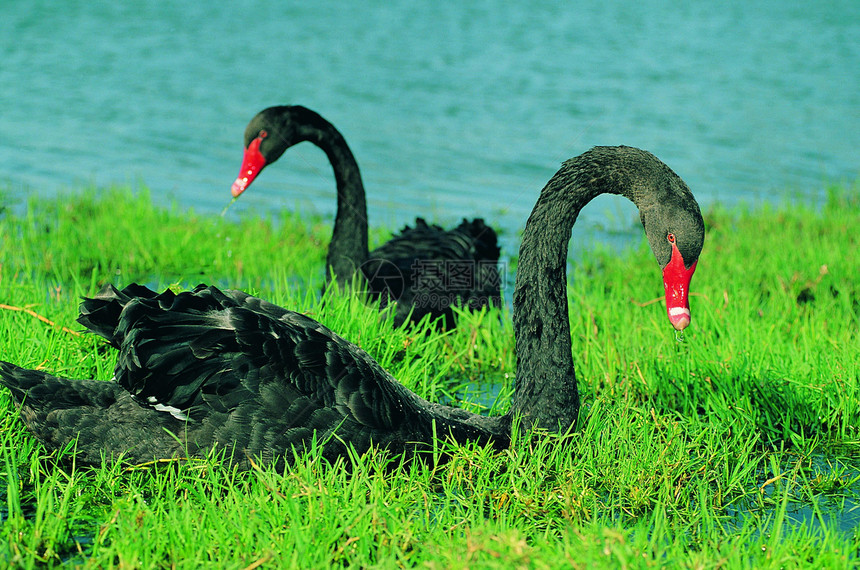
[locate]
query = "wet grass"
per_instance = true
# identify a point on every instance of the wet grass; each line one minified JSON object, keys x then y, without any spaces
{"x":735,"y":447}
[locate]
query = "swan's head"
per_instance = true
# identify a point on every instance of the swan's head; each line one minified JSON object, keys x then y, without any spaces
{"x":676,"y":234}
{"x":271,"y":132}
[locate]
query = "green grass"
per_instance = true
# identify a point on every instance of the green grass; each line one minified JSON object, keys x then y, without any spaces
{"x":737,"y":447}
{"x":112,"y":234}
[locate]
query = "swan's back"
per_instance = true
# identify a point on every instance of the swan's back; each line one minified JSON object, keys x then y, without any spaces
{"x":428,"y":270}
{"x":222,"y":370}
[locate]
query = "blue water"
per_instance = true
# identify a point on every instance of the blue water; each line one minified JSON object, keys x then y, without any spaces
{"x":452,"y":109}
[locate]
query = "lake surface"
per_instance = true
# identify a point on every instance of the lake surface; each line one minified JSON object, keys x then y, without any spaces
{"x":452,"y":109}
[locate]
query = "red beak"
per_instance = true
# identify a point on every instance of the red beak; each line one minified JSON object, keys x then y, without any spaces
{"x":252,"y":163}
{"x":676,"y":280}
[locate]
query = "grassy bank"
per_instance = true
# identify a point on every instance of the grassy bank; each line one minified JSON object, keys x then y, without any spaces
{"x":737,"y":446}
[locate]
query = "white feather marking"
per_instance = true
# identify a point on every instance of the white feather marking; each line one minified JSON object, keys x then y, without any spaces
{"x":175,"y":412}
{"x":675,"y":311}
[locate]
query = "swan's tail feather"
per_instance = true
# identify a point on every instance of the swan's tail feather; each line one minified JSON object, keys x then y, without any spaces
{"x":56,"y":409}
{"x":108,"y":420}
{"x":18,"y":379}
{"x":38,"y":389}
{"x":484,"y":238}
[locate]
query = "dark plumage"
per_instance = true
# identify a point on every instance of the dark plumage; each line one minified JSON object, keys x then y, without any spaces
{"x":225,"y":370}
{"x":425,"y":269}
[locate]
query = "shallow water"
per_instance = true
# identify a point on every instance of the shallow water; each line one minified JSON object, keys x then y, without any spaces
{"x":835,"y":511}
{"x":452,"y":109}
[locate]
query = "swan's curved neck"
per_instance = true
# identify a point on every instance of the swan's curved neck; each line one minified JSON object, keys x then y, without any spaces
{"x":348,"y":248}
{"x":546,"y":394}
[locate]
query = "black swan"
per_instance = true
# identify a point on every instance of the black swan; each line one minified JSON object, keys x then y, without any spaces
{"x":426,"y":269}
{"x":210,"y":369}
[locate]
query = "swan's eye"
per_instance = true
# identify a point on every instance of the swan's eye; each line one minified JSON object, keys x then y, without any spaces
{"x":671,"y":238}
{"x":263,"y":134}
